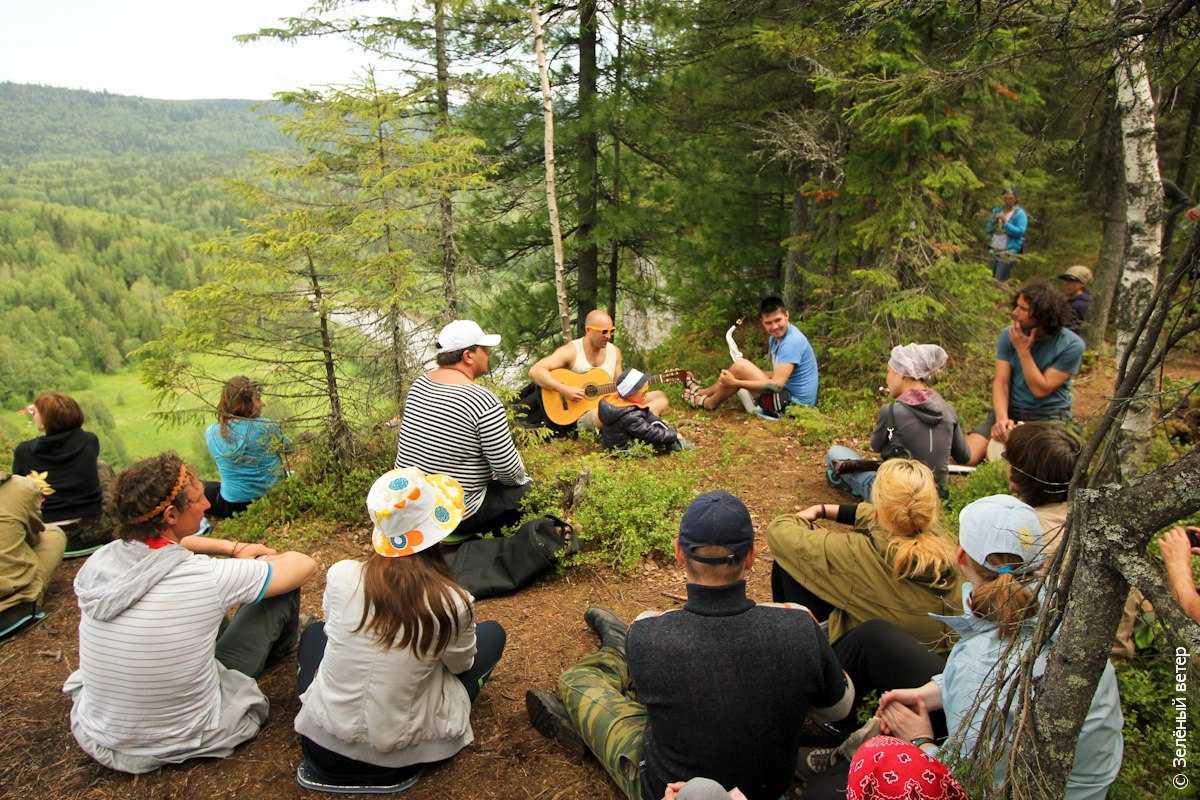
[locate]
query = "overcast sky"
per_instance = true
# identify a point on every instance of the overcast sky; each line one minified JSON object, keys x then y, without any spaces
{"x":168,"y":49}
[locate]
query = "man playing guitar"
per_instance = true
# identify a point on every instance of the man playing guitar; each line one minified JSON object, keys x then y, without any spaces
{"x":593,"y":350}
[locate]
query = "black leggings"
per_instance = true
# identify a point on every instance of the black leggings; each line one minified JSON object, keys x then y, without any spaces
{"x":219,"y":507}
{"x":336,"y":768}
{"x":786,"y":589}
{"x":878,"y":657}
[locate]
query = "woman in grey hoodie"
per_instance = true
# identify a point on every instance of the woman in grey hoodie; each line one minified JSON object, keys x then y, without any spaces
{"x":918,"y":424}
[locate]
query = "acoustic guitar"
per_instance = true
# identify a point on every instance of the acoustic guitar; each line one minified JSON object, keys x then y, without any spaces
{"x":596,"y":383}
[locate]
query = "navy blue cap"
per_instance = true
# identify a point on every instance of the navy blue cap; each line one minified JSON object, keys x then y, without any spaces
{"x":716,"y":518}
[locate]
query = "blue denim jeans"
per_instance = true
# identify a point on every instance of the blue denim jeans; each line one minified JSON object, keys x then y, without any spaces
{"x":856,"y":483}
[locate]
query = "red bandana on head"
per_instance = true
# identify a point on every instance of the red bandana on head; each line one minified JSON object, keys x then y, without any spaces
{"x":885,"y":768}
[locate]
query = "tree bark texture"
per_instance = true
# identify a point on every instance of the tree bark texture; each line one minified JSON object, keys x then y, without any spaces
{"x":793,"y":280}
{"x":588,"y":189}
{"x":445,"y":204}
{"x":1112,"y":525}
{"x":339,"y":431}
{"x":614,"y":258}
{"x":1143,"y":248}
{"x":560,"y":285}
{"x":1112,"y":248}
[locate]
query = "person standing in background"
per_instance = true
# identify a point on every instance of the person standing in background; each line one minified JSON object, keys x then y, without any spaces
{"x":1007,"y":227}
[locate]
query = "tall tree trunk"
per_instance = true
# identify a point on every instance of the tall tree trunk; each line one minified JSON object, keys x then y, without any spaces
{"x":588,"y":189}
{"x":445,"y":204}
{"x":793,"y":279}
{"x":1183,"y":173}
{"x":1104,"y":552}
{"x":614,"y":256}
{"x":1139,"y":276}
{"x":398,"y":357}
{"x":560,"y":285}
{"x":1112,"y":249}
{"x":338,"y":430}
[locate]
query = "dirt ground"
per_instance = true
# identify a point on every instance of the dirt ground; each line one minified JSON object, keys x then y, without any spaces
{"x":546,"y":632}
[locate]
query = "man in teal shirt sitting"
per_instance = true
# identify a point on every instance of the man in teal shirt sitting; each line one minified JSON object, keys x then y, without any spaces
{"x":1036,"y":357}
{"x":793,"y":377}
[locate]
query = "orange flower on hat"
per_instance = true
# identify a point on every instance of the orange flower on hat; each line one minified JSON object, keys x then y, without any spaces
{"x":406,"y":543}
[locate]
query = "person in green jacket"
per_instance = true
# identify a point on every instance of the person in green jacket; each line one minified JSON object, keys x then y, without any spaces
{"x":894,"y":562}
{"x":30,"y":551}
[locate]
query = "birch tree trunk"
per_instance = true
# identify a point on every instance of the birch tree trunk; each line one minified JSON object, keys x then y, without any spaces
{"x":1143,"y":240}
{"x":560,"y":285}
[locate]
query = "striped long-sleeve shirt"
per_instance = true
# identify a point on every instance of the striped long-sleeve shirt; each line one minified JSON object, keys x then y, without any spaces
{"x":460,"y":430}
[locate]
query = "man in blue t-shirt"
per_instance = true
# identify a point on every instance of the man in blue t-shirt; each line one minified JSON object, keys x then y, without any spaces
{"x":793,"y":377}
{"x":1036,"y":356}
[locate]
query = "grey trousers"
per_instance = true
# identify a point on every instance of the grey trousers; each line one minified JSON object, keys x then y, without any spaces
{"x":260,"y":634}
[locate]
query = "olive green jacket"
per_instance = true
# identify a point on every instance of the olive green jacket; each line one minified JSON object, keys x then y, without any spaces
{"x":20,"y":526}
{"x":850,"y":570}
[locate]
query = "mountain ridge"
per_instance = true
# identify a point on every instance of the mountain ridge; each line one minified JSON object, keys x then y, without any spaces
{"x":44,"y":123}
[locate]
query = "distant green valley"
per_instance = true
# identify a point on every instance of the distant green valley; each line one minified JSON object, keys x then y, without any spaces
{"x":103,"y":199}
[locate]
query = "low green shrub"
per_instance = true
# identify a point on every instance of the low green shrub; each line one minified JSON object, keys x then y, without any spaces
{"x":314,"y":498}
{"x":630,"y":508}
{"x":1148,"y":694}
{"x":989,"y":478}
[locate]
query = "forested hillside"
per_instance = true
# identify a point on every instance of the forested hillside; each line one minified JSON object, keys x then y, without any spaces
{"x":103,"y":200}
{"x":79,"y":289}
{"x":43,"y":123}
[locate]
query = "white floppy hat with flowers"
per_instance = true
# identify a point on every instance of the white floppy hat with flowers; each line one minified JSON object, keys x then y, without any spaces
{"x":413,"y":511}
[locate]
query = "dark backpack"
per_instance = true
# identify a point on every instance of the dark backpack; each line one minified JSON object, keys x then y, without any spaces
{"x":893,"y":447}
{"x":503,"y":564}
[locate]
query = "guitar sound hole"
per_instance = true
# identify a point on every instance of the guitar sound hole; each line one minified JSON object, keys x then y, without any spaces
{"x":590,"y":390}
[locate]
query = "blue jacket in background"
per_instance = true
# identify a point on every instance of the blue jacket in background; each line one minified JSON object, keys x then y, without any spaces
{"x":249,"y":460}
{"x":1014,"y":228}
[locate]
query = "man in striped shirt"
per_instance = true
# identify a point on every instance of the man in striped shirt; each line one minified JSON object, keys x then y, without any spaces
{"x":454,"y":427}
{"x":163,"y":676}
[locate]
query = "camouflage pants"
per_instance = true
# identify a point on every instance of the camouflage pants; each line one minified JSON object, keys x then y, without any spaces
{"x":611,"y":722}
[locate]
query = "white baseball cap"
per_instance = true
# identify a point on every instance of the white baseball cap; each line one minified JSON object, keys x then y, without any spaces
{"x":464,"y":333}
{"x":1001,"y":524}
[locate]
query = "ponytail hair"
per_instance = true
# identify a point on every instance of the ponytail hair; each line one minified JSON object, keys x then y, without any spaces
{"x":906,"y":509}
{"x":237,"y":401}
{"x":1000,"y":596}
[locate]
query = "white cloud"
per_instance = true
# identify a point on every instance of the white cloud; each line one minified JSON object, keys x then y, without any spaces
{"x":171,"y":49}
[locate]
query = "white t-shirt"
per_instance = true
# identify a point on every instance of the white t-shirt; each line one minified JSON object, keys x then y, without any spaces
{"x":148,"y":681}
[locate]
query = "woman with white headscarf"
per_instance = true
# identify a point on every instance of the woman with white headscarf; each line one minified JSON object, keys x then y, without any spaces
{"x":919,"y":424}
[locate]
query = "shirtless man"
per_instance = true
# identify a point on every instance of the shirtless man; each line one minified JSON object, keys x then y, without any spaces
{"x":593,"y":349}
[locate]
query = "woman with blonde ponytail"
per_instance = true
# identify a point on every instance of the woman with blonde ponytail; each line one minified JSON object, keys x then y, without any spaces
{"x":895,"y":564}
{"x":1000,"y":552}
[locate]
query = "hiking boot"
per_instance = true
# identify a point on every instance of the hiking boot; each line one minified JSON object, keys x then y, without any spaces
{"x":812,"y":761}
{"x":549,"y":717}
{"x":608,"y":626}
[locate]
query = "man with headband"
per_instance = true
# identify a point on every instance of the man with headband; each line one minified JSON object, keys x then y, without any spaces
{"x":163,"y":677}
{"x":722,"y":685}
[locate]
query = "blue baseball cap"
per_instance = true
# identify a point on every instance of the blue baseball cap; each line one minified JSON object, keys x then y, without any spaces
{"x":716,"y":518}
{"x":1001,"y":524}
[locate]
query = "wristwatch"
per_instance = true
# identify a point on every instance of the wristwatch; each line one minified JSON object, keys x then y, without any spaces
{"x":922,"y":741}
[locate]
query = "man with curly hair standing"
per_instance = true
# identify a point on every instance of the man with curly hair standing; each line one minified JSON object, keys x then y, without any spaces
{"x":1036,"y":357}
